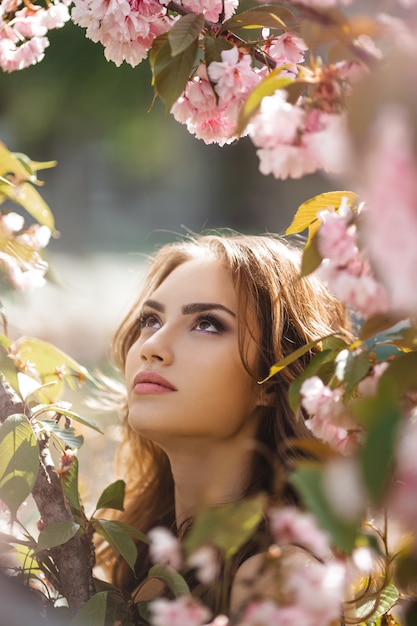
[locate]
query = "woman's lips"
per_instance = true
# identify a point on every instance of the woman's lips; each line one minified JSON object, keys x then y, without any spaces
{"x":151,"y":383}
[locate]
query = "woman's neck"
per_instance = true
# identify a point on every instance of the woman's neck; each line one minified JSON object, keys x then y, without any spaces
{"x":209,"y":473}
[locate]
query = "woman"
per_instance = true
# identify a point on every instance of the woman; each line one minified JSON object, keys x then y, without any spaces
{"x":214,"y":315}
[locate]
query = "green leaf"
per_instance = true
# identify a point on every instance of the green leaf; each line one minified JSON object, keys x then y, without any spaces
{"x":72,"y":415}
{"x":5,"y":342}
{"x":172,"y":72}
{"x":306,"y":215}
{"x":56,"y":534}
{"x":185,"y":32}
{"x":265,"y":16}
{"x":402,"y":373}
{"x":356,"y":367}
{"x":378,"y":606}
{"x":377,"y":324}
{"x":93,"y":612}
{"x":113,"y":496}
{"x":268,"y":86}
{"x":381,"y":416}
{"x":228,"y":527}
{"x":19,"y":461}
{"x":51,"y":364}
{"x":172,"y":579}
{"x":308,"y":480}
{"x":8,"y":369}
{"x":213,"y":48}
{"x":66,"y":436}
{"x":119,"y":536}
{"x":70,"y":486}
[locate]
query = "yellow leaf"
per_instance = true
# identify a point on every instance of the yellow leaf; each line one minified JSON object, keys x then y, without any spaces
{"x":9,"y":164}
{"x":27,"y":196}
{"x":306,"y":215}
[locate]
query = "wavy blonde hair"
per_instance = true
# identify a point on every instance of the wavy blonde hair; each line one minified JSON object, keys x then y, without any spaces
{"x":290,"y":311}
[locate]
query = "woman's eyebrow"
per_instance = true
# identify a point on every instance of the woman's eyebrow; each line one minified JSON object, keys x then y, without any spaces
{"x":190,"y":309}
{"x":153,"y":304}
{"x":202,"y":307}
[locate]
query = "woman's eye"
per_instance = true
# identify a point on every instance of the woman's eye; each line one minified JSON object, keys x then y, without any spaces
{"x":149,"y":320}
{"x":209,"y":325}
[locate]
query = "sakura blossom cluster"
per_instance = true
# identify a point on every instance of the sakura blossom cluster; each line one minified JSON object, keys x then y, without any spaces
{"x":183,"y":611}
{"x":165,"y":548}
{"x":331,"y":421}
{"x":125,"y":29}
{"x":23,"y":31}
{"x":210,"y":119}
{"x":213,"y":115}
{"x":19,"y":251}
{"x":390,"y":190}
{"x":345,"y":268}
{"x":315,"y":594}
{"x":291,"y":526}
{"x":292,"y":141}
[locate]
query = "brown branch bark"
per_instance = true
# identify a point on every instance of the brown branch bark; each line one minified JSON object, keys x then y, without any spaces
{"x":71,"y":559}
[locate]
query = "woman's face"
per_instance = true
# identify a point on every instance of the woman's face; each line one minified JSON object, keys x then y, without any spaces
{"x":184,"y":374}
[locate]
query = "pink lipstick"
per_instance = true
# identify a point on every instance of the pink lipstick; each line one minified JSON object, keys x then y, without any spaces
{"x":151,"y":383}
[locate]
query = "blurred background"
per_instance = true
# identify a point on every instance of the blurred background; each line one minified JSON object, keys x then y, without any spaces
{"x":127,"y":180}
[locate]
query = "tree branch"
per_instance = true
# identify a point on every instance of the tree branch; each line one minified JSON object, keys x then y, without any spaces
{"x":72,"y":559}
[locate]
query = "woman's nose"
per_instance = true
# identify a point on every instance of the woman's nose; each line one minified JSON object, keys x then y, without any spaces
{"x":157,"y":347}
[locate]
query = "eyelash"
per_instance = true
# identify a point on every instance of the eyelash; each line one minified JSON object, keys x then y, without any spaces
{"x":213,"y":320}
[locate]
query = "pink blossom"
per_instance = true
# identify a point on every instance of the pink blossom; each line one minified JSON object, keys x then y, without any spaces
{"x":398,"y":31}
{"x":287,"y":48}
{"x":336,"y":240}
{"x":390,"y":221}
{"x":320,"y":589}
{"x":24,"y":276}
{"x":164,"y":547}
{"x":183,"y":611}
{"x":125,"y":29}
{"x":348,"y":503}
{"x":35,"y":237}
{"x":267,"y":613}
{"x":11,"y":223}
{"x":55,"y":16}
{"x":293,"y":142}
{"x":356,"y":285}
{"x":331,"y":421}
{"x":314,"y":394}
{"x":291,"y":526}
{"x":23,"y":37}
{"x":325,"y":4}
{"x":234,"y":77}
{"x":277,"y":122}
{"x":345,"y":268}
{"x":205,"y":560}
{"x":337,"y":237}
{"x":212,"y":9}
{"x":204,"y":118}
{"x":328,"y":141}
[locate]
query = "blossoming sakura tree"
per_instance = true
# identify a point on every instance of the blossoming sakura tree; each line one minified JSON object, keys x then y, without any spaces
{"x":315,"y":84}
